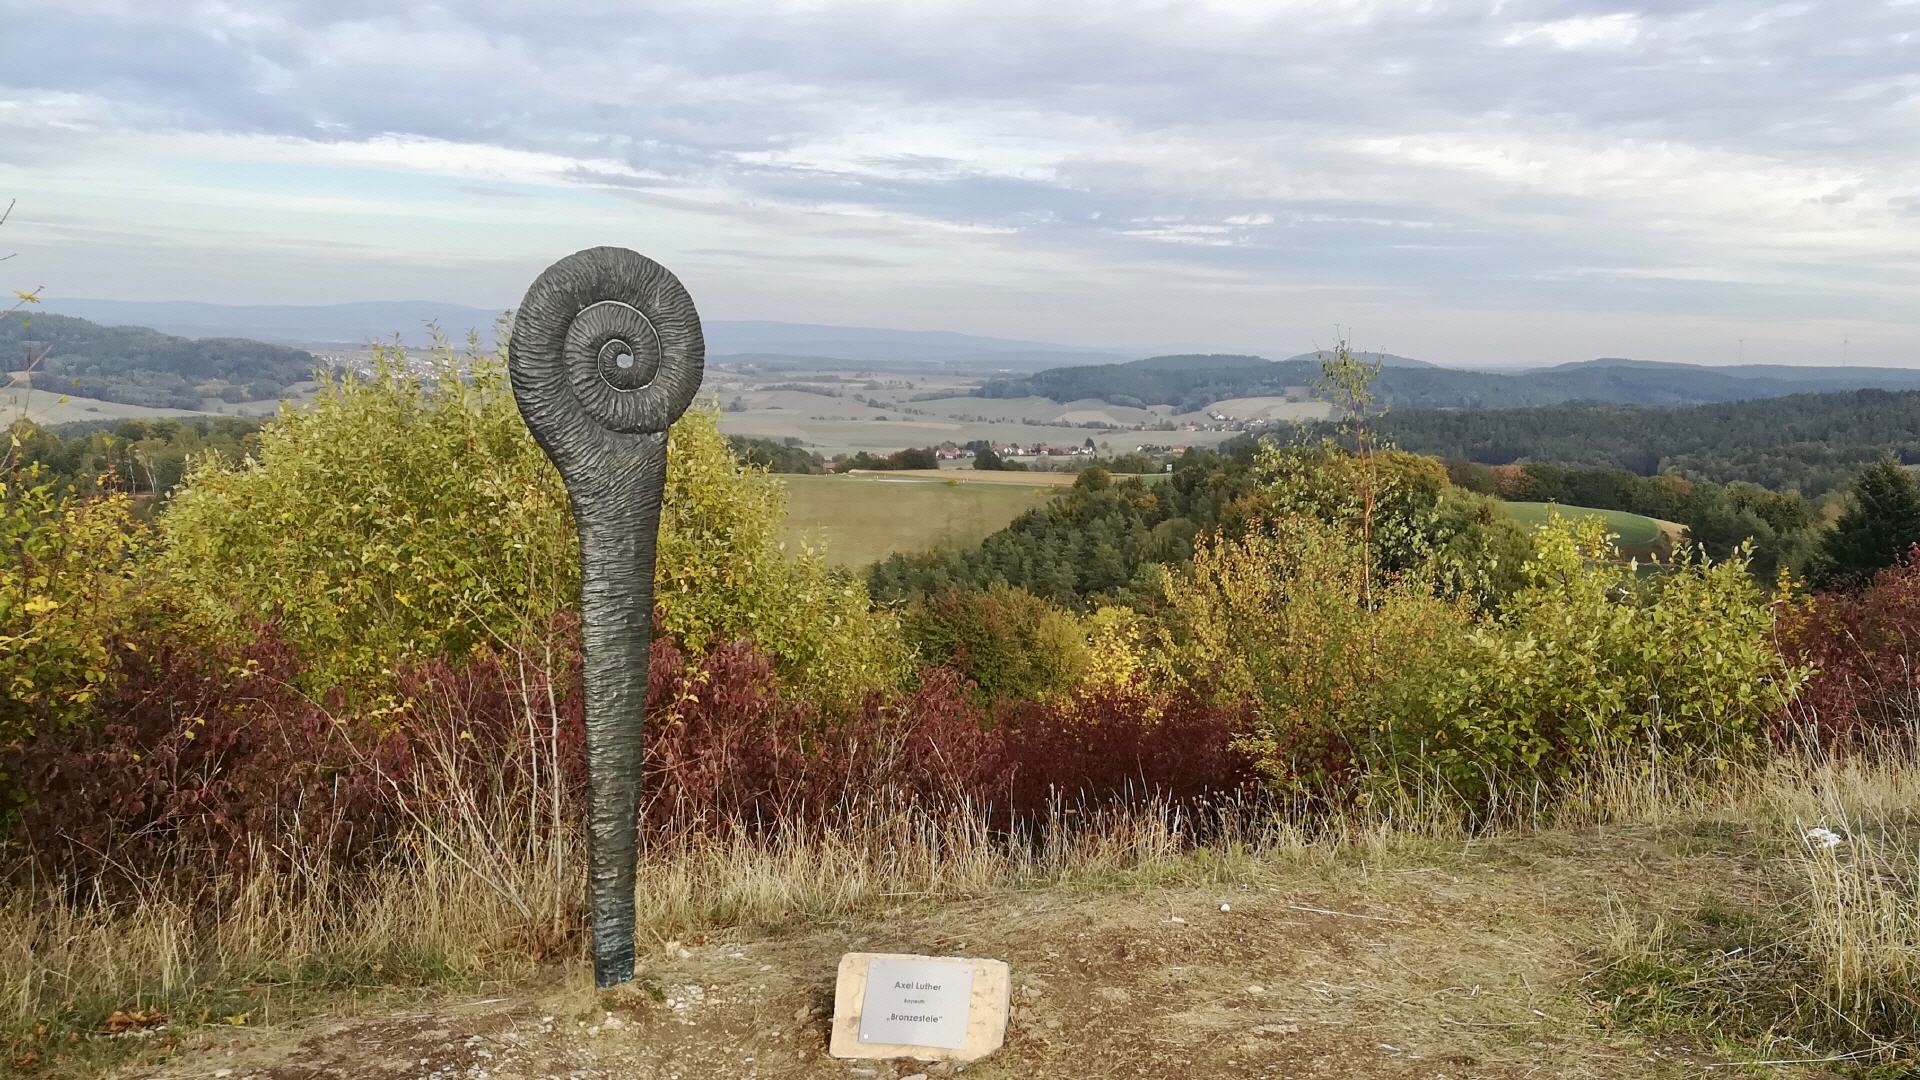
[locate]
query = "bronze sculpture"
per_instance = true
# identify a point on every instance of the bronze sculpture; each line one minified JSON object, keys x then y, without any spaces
{"x":607,"y":352}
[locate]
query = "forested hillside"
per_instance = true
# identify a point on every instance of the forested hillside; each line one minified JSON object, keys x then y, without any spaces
{"x":1191,"y":382}
{"x":1811,"y":443}
{"x":1185,"y":382}
{"x":136,"y":366}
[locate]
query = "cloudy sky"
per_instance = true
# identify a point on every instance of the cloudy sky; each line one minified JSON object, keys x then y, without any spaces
{"x":1514,"y":180}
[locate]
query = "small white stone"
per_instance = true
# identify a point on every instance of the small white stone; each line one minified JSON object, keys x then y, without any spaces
{"x":1823,"y":839}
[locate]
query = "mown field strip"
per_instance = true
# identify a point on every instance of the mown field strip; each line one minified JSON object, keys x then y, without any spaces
{"x":856,"y":520}
{"x":1639,"y":535}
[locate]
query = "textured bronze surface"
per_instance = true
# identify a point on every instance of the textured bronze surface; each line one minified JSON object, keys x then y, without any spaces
{"x":606,"y":353}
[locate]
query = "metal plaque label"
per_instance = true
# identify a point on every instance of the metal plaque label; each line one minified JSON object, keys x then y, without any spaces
{"x":917,"y":1003}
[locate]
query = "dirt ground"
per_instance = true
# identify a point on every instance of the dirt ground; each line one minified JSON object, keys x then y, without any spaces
{"x":1457,"y":965}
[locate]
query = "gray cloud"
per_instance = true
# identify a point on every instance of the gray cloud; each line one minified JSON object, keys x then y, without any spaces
{"x":1443,"y":150}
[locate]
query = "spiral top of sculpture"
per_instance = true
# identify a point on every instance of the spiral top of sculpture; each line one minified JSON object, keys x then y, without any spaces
{"x":606,"y":341}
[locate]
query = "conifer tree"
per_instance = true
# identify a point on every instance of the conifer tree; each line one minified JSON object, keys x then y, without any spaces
{"x":1881,"y":524}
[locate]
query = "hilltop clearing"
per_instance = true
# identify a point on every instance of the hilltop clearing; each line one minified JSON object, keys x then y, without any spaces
{"x":1640,"y":537}
{"x":1412,"y":959}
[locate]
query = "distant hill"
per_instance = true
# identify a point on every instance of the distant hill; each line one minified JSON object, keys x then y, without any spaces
{"x":1190,"y":382}
{"x":294,"y":324}
{"x":358,"y":323}
{"x":138,"y":366}
{"x":1187,"y":382}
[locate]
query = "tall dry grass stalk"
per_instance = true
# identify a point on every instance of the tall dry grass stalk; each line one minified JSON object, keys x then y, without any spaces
{"x":489,"y":891}
{"x":1853,"y":837}
{"x":1818,"y":957}
{"x":489,"y":888}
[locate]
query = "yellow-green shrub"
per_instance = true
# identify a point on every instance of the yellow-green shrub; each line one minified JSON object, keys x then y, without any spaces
{"x":396,"y":516}
{"x":1589,"y":660}
{"x":1115,"y":649}
{"x":1011,"y":643}
{"x":67,"y":582}
{"x":724,"y":573}
{"x":405,"y":514}
{"x":1280,"y":617}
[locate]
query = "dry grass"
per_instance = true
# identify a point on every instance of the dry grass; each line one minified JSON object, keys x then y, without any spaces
{"x":1815,"y":956}
{"x":1828,"y":965}
{"x":497,"y":897}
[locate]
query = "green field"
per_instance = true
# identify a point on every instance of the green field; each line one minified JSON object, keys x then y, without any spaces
{"x":1640,"y":536}
{"x":856,"y":520}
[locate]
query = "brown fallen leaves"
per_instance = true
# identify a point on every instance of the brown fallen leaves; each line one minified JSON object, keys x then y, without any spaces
{"x":139,"y":1020}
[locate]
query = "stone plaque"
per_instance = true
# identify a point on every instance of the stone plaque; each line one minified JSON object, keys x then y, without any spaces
{"x":888,"y":1005}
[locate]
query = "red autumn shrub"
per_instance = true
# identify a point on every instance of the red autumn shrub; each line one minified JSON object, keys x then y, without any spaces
{"x":1124,"y":744}
{"x":206,"y":759}
{"x":495,"y":729}
{"x":726,"y":748}
{"x":1866,"y":647}
{"x":203,"y":759}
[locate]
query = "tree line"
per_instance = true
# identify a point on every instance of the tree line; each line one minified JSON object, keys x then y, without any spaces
{"x":1104,"y":540}
{"x":1809,"y":443}
{"x":138,"y":457}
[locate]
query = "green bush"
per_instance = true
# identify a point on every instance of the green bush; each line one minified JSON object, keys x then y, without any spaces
{"x":1283,"y":617}
{"x":405,"y":514}
{"x":1011,"y":643}
{"x":67,"y":584}
{"x":1415,"y":519}
{"x":1589,"y":662}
